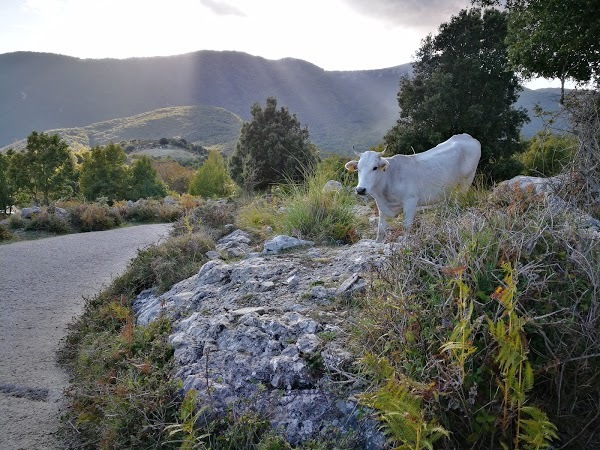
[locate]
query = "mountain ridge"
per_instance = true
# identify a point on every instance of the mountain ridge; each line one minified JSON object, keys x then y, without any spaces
{"x":44,"y":91}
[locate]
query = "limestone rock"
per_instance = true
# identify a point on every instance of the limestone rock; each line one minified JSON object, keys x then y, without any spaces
{"x":282,"y":242}
{"x":28,"y":213}
{"x":246,"y":335}
{"x":333,"y":186}
{"x":235,"y":244}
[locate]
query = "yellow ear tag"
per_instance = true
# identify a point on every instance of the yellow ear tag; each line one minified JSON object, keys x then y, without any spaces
{"x":351,"y":169}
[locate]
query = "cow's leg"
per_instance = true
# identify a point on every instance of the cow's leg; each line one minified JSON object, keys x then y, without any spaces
{"x":381,"y":228}
{"x":410,"y":207}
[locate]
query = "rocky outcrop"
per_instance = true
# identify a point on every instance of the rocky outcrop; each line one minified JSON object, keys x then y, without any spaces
{"x":263,"y":333}
{"x":549,"y":189}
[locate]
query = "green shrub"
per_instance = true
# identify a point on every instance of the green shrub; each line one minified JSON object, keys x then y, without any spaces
{"x":143,"y":180}
{"x":258,"y":213}
{"x":548,"y":154}
{"x":47,"y":221}
{"x":16,"y":221}
{"x":210,"y":217}
{"x":212,"y":180}
{"x":324,"y":217}
{"x":93,"y":217}
{"x":5,"y":234}
{"x":163,"y":265}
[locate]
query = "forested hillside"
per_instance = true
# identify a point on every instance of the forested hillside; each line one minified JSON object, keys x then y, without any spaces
{"x":208,"y":126}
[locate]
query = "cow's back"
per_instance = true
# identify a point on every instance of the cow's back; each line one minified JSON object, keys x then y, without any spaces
{"x":432,"y":174}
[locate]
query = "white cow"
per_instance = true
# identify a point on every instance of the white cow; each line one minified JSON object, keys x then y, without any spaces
{"x":404,"y":182}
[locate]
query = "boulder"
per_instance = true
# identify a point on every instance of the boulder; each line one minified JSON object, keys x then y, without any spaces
{"x":282,"y":242}
{"x":28,"y":213}
{"x":333,"y":186}
{"x":234,"y":245}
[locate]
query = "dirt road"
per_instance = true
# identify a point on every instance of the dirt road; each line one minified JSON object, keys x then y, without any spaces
{"x":42,"y":288}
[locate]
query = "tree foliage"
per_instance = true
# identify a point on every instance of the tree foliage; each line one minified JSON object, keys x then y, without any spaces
{"x":212,"y":178}
{"x":6,"y":189}
{"x":104,"y":174}
{"x":144,"y":182}
{"x":45,"y":170}
{"x":462,"y":84}
{"x":554,"y":38}
{"x":176,"y":176}
{"x":273,"y":148}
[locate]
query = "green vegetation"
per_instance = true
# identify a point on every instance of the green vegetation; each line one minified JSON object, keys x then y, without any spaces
{"x":6,"y":188}
{"x":199,"y":126}
{"x":273,"y":148}
{"x":480,"y":325}
{"x":548,"y":154}
{"x":553,"y":39}
{"x":45,"y":171}
{"x":104,"y":174}
{"x":212,"y":179}
{"x":323,"y":216}
{"x":462,"y":84}
{"x":144,"y":182}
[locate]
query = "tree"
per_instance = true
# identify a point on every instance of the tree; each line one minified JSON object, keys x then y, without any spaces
{"x":144,"y":182}
{"x":6,"y":190}
{"x":176,"y":176}
{"x":45,"y":170}
{"x":104,"y":174}
{"x":554,"y":38}
{"x":273,"y":148}
{"x":211,"y":179}
{"x":462,"y":84}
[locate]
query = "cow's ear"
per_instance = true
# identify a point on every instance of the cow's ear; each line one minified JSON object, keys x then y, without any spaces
{"x":383,"y":165}
{"x":351,"y":166}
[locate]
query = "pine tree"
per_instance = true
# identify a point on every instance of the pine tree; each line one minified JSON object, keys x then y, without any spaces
{"x":273,"y":148}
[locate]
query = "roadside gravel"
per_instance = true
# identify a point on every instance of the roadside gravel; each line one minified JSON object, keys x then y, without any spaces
{"x":43,"y":284}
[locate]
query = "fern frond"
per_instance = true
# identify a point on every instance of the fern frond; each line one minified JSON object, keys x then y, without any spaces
{"x":537,"y":432}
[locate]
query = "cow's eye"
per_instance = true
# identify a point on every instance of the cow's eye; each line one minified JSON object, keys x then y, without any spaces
{"x":375,"y":168}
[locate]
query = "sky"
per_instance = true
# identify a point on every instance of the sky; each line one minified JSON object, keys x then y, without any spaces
{"x":332,"y":34}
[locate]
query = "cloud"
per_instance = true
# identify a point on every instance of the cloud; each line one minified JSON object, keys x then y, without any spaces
{"x":421,"y":14}
{"x":222,"y":8}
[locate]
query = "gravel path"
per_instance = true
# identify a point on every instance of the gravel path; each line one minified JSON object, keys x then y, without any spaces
{"x":42,"y":288}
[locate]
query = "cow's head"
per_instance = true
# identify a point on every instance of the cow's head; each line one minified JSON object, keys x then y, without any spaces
{"x":370,"y":166}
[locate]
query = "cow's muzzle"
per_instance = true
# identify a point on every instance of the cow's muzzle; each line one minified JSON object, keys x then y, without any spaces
{"x":361,"y":190}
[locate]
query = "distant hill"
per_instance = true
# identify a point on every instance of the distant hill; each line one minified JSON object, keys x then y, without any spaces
{"x":42,"y":91}
{"x":208,"y":126}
